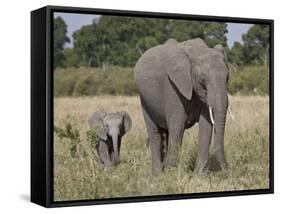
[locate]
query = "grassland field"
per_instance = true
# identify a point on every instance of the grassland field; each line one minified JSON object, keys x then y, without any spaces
{"x":83,"y":177}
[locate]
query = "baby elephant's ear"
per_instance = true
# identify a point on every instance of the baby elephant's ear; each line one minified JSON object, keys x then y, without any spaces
{"x":95,"y":122}
{"x":126,"y":121}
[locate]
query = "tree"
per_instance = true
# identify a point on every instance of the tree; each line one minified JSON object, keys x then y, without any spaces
{"x":254,"y":49}
{"x":60,"y":38}
{"x":215,"y":33}
{"x":183,"y":30}
{"x":71,"y":58}
{"x":212,"y":33}
{"x":85,"y":44}
{"x":256,"y":45}
{"x":117,"y":40}
{"x":235,"y":54}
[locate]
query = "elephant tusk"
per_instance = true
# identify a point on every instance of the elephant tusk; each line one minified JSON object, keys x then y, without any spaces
{"x":231,"y":115}
{"x":211,"y":115}
{"x":229,"y":111}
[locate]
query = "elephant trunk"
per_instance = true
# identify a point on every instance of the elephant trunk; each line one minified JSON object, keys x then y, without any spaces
{"x":220,"y":110}
{"x":115,"y":136}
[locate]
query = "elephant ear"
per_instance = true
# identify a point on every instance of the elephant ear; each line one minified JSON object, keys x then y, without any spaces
{"x":199,"y":55}
{"x":178,"y":68}
{"x":95,"y":122}
{"x":171,"y":42}
{"x":127,"y":122}
{"x":220,"y":49}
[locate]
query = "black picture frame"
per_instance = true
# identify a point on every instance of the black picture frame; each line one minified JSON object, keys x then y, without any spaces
{"x":42,"y":105}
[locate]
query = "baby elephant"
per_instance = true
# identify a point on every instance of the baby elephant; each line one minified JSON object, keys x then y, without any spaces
{"x":110,"y":128}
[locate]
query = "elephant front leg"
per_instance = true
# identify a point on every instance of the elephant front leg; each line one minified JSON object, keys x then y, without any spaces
{"x":104,"y":154}
{"x":174,"y":142}
{"x":155,"y":143}
{"x":205,"y":137}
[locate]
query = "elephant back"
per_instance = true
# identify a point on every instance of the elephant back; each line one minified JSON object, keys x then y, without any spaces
{"x":196,"y":43}
{"x":149,"y":64}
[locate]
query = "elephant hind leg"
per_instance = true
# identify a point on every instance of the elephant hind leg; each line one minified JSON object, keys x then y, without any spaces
{"x":154,"y":137}
{"x":164,"y":144}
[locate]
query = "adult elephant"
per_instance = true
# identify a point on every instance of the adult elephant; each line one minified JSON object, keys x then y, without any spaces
{"x":181,"y":84}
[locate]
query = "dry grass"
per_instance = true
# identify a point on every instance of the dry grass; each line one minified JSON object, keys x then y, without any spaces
{"x":82,"y":177}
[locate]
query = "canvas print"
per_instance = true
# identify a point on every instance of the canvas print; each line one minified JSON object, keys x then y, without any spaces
{"x":158,"y":106}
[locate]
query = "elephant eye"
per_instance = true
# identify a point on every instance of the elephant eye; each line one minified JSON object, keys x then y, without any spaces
{"x":201,"y":79}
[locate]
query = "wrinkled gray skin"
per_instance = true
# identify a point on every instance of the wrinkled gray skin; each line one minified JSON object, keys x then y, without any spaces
{"x":178,"y":82}
{"x":110,"y":127}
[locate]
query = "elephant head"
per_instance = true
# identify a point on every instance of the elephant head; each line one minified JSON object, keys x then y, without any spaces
{"x":203,"y":71}
{"x":111,"y":125}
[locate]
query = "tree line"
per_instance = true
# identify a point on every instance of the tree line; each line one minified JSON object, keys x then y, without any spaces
{"x":117,"y":40}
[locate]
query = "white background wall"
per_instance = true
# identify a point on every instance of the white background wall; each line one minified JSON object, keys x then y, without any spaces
{"x":15,"y":105}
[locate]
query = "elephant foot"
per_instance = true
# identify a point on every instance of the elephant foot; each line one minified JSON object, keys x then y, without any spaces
{"x":157,"y":171}
{"x":169,"y":164}
{"x":171,"y":161}
{"x":223,"y":166}
{"x":108,"y":165}
{"x":147,"y":143}
{"x":111,"y":164}
{"x":201,"y":168}
{"x":116,"y":163}
{"x":202,"y":172}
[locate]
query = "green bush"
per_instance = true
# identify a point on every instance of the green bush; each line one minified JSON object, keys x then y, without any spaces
{"x":94,"y":81}
{"x":249,"y":80}
{"x":69,"y":130}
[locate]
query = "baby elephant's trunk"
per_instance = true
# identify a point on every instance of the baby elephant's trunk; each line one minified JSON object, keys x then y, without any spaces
{"x":115,"y":136}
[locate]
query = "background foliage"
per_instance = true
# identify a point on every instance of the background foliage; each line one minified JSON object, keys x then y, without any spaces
{"x":255,"y":47}
{"x":60,"y":38}
{"x":90,"y":82}
{"x":93,"y":81}
{"x":111,"y":45}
